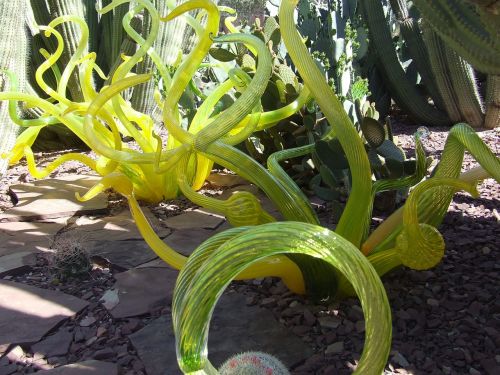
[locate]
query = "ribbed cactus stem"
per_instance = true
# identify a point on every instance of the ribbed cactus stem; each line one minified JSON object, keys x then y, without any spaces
{"x":404,"y":92}
{"x":143,"y":95}
{"x":71,"y":34}
{"x":492,"y":119}
{"x":464,"y":29}
{"x":128,"y":47}
{"x":435,"y":47}
{"x":413,"y":38}
{"x":14,"y":57}
{"x":465,"y":87}
{"x":92,"y":20}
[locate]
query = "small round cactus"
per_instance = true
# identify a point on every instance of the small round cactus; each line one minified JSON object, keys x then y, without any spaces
{"x":253,"y":363}
{"x":69,"y":257}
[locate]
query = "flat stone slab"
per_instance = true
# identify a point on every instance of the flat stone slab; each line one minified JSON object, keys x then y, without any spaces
{"x":140,"y":290}
{"x":91,"y":367}
{"x":17,"y":262}
{"x":235,"y":327}
{"x":194,"y":219}
{"x":185,"y":241}
{"x":122,"y":254}
{"x":54,"y":345}
{"x":27,"y":236}
{"x":119,"y":227}
{"x":27,"y":313}
{"x":155,"y":263}
{"x":53,"y":198}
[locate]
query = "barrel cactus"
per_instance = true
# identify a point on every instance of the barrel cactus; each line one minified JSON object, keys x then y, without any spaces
{"x":253,"y":363}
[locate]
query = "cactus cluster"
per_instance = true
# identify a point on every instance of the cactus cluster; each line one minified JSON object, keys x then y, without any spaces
{"x":451,"y":90}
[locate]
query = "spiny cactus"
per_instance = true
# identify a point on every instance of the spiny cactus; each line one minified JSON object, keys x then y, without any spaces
{"x":404,"y":92}
{"x":70,"y":257}
{"x":471,"y":30}
{"x":492,"y":119}
{"x":13,"y":56}
{"x":253,"y":363}
{"x":456,"y":81}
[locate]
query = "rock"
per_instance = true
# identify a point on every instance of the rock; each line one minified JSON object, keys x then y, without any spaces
{"x":432,"y":302}
{"x":16,"y":354}
{"x":119,"y":227}
{"x":27,"y":312}
{"x":91,"y":367}
{"x":87,"y":321}
{"x":329,"y":321}
{"x":140,"y":289}
{"x":16,"y":263}
{"x":122,"y":254}
{"x":54,"y":198}
{"x":486,"y":250}
{"x":105,"y":353}
{"x":131,"y":326}
{"x":235,"y":327}
{"x":399,"y":359}
{"x":8,"y":369}
{"x":336,"y":347}
{"x":54,"y":345}
{"x":110,"y":299}
{"x":309,"y":318}
{"x":17,"y":237}
{"x":185,"y":241}
{"x":194,"y":219}
{"x":490,"y":366}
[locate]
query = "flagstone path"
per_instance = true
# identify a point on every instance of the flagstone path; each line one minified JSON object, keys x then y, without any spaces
{"x":36,"y":329}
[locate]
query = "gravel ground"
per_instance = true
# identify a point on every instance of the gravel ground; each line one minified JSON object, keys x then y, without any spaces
{"x":445,"y":320}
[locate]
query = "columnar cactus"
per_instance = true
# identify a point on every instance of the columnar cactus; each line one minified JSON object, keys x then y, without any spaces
{"x":14,"y":57}
{"x":470,"y":30}
{"x":404,"y":92}
{"x":449,"y":79}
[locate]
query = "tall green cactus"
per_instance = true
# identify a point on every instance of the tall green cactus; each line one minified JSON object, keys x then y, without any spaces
{"x":472,"y":30}
{"x":492,"y":119}
{"x":14,"y":57}
{"x":404,"y":92}
{"x":449,"y":79}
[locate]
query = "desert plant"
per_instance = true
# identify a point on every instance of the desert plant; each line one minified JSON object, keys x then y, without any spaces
{"x":13,"y":56}
{"x":69,"y":257}
{"x":253,"y":363}
{"x":258,"y":247}
{"x":397,"y":242}
{"x":448,"y":78}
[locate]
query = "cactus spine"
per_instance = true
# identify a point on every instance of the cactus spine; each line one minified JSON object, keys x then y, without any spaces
{"x":492,"y":119}
{"x":253,"y":363}
{"x":412,"y":35}
{"x":404,"y":92}
{"x":13,"y":56}
{"x":470,"y":30}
